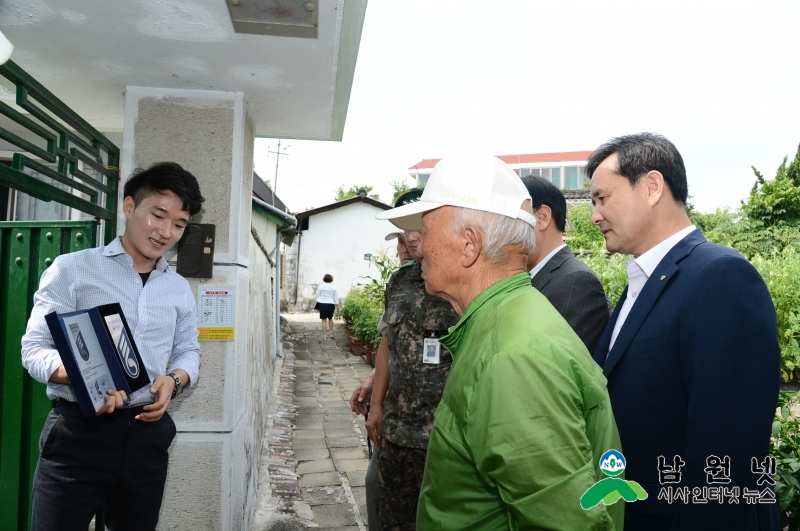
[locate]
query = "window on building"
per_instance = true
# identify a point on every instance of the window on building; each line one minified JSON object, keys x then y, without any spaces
{"x":525,"y":172}
{"x":555,"y":176}
{"x":571,"y":178}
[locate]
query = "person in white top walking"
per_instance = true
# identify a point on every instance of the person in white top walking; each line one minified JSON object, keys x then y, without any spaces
{"x":327,"y":300}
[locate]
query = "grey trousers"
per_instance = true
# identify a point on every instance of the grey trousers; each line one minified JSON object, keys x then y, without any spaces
{"x":373,"y":490}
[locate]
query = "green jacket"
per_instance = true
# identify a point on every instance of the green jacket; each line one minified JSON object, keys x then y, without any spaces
{"x":523,"y":421}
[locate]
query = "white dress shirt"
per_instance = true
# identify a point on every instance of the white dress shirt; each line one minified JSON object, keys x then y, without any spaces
{"x":546,"y":259}
{"x":639,"y":270}
{"x":162,"y":314}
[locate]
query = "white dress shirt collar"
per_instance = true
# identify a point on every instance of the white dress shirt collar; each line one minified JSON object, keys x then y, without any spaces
{"x":115,"y":248}
{"x":649,"y":261}
{"x":639,"y":270}
{"x":546,"y":259}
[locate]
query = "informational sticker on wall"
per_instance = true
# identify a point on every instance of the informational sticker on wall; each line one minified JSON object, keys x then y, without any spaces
{"x":215,"y":312}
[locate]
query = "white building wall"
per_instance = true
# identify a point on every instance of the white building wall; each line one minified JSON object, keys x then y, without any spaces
{"x":335,"y":242}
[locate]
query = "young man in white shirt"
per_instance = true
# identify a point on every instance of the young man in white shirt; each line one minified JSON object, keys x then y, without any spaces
{"x":117,"y":459}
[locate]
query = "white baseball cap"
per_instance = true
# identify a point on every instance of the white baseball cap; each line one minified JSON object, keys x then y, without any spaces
{"x":480,"y":183}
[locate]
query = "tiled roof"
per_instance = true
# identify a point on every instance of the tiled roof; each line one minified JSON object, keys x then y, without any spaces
{"x":577,"y":195}
{"x":265,"y":193}
{"x":339,"y":204}
{"x":531,"y":158}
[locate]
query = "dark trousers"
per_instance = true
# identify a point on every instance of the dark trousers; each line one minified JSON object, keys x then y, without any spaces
{"x":372,"y":489}
{"x":400,"y":471}
{"x":111,"y":459}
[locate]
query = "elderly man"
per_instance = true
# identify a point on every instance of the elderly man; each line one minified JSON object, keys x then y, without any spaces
{"x":408,"y":383}
{"x":525,"y":415}
{"x":691,"y":353}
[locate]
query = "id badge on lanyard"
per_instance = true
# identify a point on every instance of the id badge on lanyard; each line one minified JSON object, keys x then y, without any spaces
{"x":431,"y":351}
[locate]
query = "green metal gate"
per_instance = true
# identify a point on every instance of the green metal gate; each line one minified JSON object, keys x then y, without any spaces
{"x":57,"y":153}
{"x":26,"y":250}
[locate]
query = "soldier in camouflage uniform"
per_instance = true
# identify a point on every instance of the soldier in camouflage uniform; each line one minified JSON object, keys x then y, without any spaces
{"x":360,"y":399}
{"x":401,"y":423}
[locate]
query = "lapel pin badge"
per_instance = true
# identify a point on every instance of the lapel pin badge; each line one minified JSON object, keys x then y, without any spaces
{"x":663,"y":277}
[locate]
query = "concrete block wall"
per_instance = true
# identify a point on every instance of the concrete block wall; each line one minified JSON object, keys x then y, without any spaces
{"x":260,"y":326}
{"x":214,"y":458}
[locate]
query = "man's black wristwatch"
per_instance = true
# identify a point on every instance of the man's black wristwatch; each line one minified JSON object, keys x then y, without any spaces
{"x":177,"y":384}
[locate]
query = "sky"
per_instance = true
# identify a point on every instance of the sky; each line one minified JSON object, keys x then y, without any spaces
{"x":438,"y":78}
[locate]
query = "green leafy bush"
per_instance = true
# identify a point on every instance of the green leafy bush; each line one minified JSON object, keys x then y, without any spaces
{"x":365,"y":325}
{"x":362,"y":313}
{"x":785,"y":447}
{"x":755,"y":239}
{"x":722,"y":227}
{"x":781,"y":273}
{"x":582,"y":234}
{"x":363,"y":306}
{"x":350,"y":306}
{"x":585,"y":238}
{"x":611,"y":270}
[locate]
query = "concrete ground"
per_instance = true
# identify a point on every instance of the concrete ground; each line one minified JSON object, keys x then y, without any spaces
{"x":317,"y":454}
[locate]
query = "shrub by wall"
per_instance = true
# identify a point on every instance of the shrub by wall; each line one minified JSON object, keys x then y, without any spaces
{"x":781,"y":273}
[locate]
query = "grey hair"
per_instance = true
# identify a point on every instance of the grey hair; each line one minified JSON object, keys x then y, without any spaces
{"x":499,"y":232}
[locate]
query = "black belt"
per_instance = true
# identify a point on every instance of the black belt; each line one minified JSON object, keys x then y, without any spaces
{"x":132,"y":411}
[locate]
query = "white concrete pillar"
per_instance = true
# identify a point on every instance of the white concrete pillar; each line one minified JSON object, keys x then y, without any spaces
{"x":213,"y":460}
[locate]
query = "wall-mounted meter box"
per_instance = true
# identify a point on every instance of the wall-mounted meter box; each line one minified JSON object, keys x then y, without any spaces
{"x":196,"y":251}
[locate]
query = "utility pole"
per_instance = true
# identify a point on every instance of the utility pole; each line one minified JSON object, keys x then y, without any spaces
{"x":278,"y":154}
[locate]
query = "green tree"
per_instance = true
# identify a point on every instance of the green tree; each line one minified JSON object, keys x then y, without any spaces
{"x":776,"y":202}
{"x":769,"y":221}
{"x":356,"y":189}
{"x":399,"y":187}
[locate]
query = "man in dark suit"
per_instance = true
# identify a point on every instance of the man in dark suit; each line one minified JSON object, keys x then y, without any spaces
{"x":571,"y":287}
{"x":691,"y":351}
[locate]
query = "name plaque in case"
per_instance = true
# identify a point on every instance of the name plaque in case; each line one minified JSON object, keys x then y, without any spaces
{"x":99,"y":353}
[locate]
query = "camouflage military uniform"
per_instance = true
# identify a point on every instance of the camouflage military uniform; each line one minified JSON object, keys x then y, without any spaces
{"x":415,"y":389}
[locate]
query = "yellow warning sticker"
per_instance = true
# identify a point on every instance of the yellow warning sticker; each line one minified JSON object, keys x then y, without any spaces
{"x":219,"y":333}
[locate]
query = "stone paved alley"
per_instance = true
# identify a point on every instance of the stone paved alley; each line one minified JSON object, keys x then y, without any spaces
{"x":313,"y":469}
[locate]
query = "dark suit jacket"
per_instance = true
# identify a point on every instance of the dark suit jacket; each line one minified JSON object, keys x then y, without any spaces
{"x":576,"y":292}
{"x":695,"y":372}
